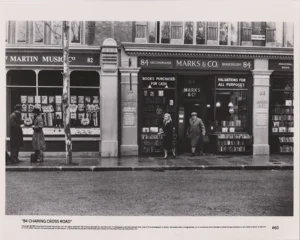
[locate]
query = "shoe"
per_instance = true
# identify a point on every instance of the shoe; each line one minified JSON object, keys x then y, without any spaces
{"x":174,"y":155}
{"x":193,"y":154}
{"x":201,"y":154}
{"x":165,"y":157}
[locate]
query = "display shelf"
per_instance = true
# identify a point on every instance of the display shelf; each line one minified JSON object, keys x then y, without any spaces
{"x":234,"y":143}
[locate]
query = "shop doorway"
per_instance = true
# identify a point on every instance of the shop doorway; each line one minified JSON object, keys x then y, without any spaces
{"x":194,"y":96}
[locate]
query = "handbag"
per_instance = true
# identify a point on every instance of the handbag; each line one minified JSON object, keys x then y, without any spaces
{"x":205,"y":139}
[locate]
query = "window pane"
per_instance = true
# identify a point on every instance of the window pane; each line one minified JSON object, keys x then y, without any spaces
{"x":246,"y":31}
{"x":165,"y":32}
{"x":200,"y":35}
{"x":237,"y":101}
{"x":223,"y":33}
{"x":152,"y":32}
{"x":188,"y":32}
{"x":270,"y":32}
{"x":39,"y":32}
{"x":84,"y":78}
{"x":75,"y":32}
{"x":234,"y":34}
{"x":21,"y":78}
{"x":6,"y":31}
{"x":88,"y":107}
{"x":141,"y":31}
{"x":21,"y":31}
{"x":50,"y":78}
{"x":212,"y":31}
{"x":289,"y":35}
{"x":56,"y":32}
{"x":176,"y":30}
{"x":279,"y":34}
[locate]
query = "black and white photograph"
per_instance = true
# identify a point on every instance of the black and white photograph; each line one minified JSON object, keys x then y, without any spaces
{"x":158,"y":117}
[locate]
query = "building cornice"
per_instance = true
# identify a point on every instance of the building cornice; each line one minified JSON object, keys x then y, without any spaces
{"x":43,"y":48}
{"x":243,"y":52}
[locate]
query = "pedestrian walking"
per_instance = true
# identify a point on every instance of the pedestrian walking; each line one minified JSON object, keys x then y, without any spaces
{"x":38,"y":139}
{"x":167,"y":133}
{"x":195,"y":132}
{"x":16,"y":134}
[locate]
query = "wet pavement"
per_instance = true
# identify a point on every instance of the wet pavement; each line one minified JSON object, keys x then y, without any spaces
{"x":143,"y":163}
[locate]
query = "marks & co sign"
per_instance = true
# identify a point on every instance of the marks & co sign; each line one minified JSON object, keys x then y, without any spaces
{"x":200,"y":64}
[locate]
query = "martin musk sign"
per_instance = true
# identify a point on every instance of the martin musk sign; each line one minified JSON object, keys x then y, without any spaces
{"x":51,"y":58}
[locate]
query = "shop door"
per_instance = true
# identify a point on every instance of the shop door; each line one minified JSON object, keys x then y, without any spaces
{"x":189,"y":107}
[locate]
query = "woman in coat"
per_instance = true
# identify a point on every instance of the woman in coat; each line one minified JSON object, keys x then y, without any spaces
{"x":167,"y":131}
{"x":38,"y":140}
{"x":16,"y":133}
{"x":195,"y":132}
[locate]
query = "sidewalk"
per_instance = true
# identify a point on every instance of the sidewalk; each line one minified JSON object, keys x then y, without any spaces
{"x":182,"y":162}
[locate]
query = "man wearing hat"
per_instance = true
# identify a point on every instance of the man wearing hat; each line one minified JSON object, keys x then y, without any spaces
{"x":195,"y":132}
{"x":16,"y":133}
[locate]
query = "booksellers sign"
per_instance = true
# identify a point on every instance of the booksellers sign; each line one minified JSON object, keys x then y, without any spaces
{"x":200,"y":64}
{"x":281,"y":65}
{"x":51,"y":58}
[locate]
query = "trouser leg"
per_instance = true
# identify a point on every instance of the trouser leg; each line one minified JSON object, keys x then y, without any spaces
{"x":14,"y":153}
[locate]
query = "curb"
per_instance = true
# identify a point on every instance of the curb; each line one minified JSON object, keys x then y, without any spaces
{"x":145,"y":168}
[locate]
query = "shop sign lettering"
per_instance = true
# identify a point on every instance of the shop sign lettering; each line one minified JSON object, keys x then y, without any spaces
{"x":51,"y":58}
{"x":231,"y":83}
{"x":281,"y":65}
{"x":262,"y":104}
{"x":213,"y":64}
{"x":191,"y":92}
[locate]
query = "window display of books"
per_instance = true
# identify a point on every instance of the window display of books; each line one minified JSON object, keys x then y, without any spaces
{"x":85,"y":110}
{"x":228,"y":143}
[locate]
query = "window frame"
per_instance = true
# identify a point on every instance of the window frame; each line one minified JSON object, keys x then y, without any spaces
{"x":33,"y":32}
{"x":16,"y":32}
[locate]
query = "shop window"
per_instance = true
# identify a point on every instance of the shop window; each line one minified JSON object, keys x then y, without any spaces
{"x":288,"y":34}
{"x":282,"y":115}
{"x":20,"y":83}
{"x":188,"y":32}
{"x":85,"y":101}
{"x":165,"y":32}
{"x":231,"y":111}
{"x":39,"y":31}
{"x":223,"y":39}
{"x":75,"y":31}
{"x":200,"y":34}
{"x":212,"y":33}
{"x":21,"y":31}
{"x":56,"y":33}
{"x":50,"y":78}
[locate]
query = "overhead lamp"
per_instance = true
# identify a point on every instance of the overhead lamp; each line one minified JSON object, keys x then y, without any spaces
{"x":218,"y":104}
{"x":149,"y":86}
{"x":230,"y":104}
{"x":208,"y":105}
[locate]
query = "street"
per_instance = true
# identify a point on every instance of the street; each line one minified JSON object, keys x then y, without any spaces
{"x":149,"y":193}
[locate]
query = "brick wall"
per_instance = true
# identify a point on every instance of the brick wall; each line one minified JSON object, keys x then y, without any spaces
{"x":123,"y":32}
{"x":103,"y":30}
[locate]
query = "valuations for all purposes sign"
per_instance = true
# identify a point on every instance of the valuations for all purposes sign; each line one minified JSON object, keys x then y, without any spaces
{"x":193,"y":63}
{"x":231,"y":82}
{"x":51,"y":58}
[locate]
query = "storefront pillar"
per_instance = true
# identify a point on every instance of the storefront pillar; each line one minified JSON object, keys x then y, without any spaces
{"x":129,"y":113}
{"x":109,"y":99}
{"x":261,"y":88}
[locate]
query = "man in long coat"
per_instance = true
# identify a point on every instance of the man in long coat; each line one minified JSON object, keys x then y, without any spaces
{"x":16,"y":133}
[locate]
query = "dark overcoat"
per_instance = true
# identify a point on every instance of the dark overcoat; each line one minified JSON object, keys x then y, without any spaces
{"x":167,"y":135}
{"x":16,"y":133}
{"x":38,"y":139}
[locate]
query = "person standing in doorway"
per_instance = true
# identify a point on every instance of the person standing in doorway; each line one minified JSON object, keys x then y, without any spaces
{"x":38,"y":140}
{"x":195,"y":132}
{"x":16,"y":134}
{"x":167,"y":132}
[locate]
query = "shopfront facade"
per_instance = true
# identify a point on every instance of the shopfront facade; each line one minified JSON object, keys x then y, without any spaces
{"x":231,"y":92}
{"x":34,"y":79}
